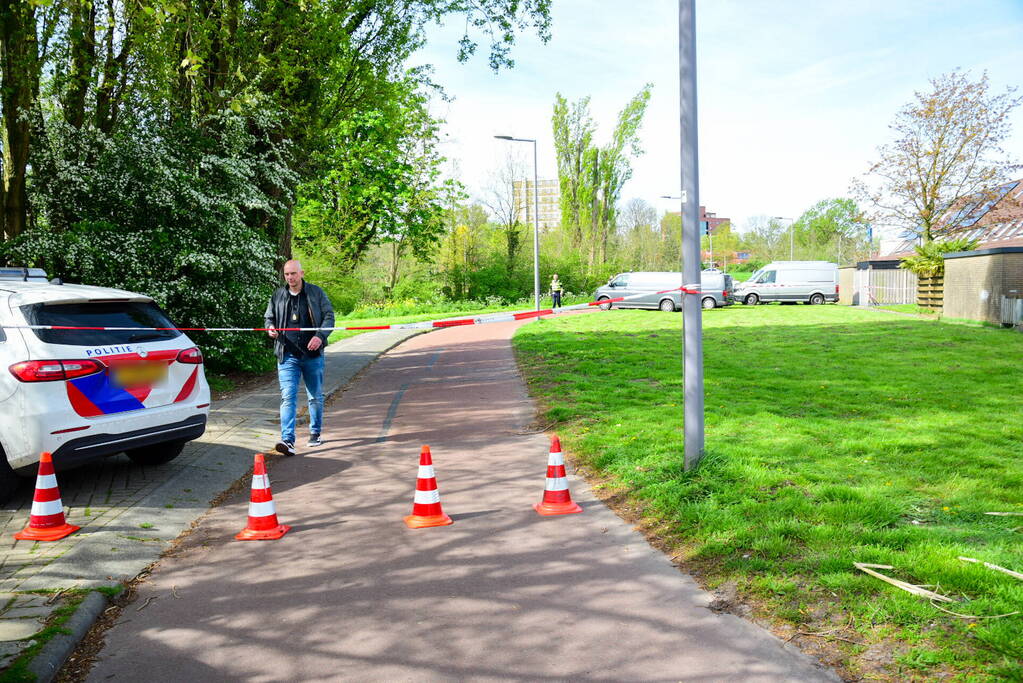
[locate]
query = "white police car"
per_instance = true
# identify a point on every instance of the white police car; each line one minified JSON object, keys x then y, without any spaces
{"x":86,"y":393}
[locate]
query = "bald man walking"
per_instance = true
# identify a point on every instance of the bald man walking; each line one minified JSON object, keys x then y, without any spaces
{"x":299,"y":354}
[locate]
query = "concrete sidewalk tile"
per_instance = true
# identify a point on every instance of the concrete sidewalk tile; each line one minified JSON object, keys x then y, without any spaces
{"x":19,"y":629}
{"x":9,"y":650}
{"x":27,"y":611}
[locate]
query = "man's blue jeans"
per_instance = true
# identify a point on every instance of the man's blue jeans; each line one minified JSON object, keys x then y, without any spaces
{"x":288,"y":372}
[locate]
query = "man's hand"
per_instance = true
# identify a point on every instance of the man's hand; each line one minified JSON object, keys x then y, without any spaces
{"x":314,"y":344}
{"x":272,"y":331}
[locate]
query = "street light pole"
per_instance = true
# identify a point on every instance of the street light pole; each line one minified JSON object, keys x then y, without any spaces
{"x":792,"y":222}
{"x":536,"y":216}
{"x":692,"y":365}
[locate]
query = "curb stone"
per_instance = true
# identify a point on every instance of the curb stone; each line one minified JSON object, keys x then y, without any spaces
{"x":51,"y":658}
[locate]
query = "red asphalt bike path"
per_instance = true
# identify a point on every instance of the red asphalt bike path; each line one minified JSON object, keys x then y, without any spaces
{"x":351,"y":594}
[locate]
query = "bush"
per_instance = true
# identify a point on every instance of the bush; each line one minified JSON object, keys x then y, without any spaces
{"x":929,"y":260}
{"x":168,"y":212}
{"x":223,"y":280}
{"x":418,"y":289}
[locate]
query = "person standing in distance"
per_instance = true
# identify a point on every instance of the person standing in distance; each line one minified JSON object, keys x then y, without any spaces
{"x":299,"y":354}
{"x":556,"y":290}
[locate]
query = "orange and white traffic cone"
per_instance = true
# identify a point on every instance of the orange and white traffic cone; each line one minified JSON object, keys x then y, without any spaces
{"x":263,"y":524}
{"x":46,"y":521}
{"x":426,"y":509}
{"x":556,"y":498}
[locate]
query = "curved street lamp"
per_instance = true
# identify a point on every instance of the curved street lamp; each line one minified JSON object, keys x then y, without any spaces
{"x":536,"y":216}
{"x":792,"y":221}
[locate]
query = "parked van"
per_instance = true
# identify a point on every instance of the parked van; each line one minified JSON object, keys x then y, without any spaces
{"x":812,"y":282}
{"x":661,"y":290}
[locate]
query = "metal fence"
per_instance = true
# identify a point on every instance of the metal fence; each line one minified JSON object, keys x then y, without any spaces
{"x":1012,"y":311}
{"x":885,"y":287}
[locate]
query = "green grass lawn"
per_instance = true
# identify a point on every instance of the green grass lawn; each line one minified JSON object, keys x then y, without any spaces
{"x":909,"y":308}
{"x":833,"y":435}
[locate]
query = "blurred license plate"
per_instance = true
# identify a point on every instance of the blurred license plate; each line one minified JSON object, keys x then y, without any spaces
{"x":139,"y":373}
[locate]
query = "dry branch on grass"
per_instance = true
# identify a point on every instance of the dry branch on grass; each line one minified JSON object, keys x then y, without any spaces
{"x":908,"y":587}
{"x":974,"y":616}
{"x":1015,"y":575}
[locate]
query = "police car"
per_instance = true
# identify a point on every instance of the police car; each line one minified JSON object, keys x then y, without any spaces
{"x":86,"y":393}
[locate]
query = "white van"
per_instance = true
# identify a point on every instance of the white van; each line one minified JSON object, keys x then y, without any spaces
{"x":812,"y":282}
{"x":661,"y":290}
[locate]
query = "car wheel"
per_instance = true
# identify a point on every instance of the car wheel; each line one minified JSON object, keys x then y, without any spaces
{"x":605,"y":303}
{"x":751,"y":300}
{"x":156,"y":455}
{"x":9,"y":480}
{"x":667,"y":305}
{"x":708,"y":303}
{"x":816,"y":299}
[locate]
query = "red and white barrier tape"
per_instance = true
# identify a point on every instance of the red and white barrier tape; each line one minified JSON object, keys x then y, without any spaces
{"x":427,"y":324}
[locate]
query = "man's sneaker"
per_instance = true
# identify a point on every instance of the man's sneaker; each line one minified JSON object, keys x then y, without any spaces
{"x":314,"y":440}
{"x":285,"y":448}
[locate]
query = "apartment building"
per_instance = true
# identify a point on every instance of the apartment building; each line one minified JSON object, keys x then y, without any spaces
{"x":549,"y":194}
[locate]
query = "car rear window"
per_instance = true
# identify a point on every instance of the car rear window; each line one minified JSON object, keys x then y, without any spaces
{"x":99,"y":314}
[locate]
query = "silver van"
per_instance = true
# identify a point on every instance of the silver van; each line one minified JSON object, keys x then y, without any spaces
{"x":660,"y":290}
{"x":812,"y":282}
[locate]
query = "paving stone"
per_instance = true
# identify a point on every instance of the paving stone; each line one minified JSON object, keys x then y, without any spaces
{"x":19,"y":629}
{"x":8,"y":652}
{"x":20,"y":612}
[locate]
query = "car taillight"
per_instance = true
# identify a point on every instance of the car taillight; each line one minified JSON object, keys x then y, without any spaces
{"x":724,"y":293}
{"x":192,"y":356}
{"x":53,"y":370}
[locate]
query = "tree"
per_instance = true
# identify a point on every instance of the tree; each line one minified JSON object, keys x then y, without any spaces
{"x":764,"y":237}
{"x":573,"y":137}
{"x":831,"y":229}
{"x":380,"y":184}
{"x":591,"y":178}
{"x":947,"y":148}
{"x":724,"y":242}
{"x":19,"y":82}
{"x":460,"y":255}
{"x":638,"y":221}
{"x":669,"y":256}
{"x":614,"y":168}
{"x":313,"y":64}
{"x":499,"y":197}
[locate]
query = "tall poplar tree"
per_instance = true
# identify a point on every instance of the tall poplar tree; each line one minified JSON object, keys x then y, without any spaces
{"x":592,"y":177}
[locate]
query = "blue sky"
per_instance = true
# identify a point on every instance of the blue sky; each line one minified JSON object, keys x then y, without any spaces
{"x":794,"y":95}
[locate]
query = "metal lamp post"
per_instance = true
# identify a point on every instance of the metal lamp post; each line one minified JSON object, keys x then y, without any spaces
{"x":792,"y":221}
{"x":536,"y":217}
{"x":692,"y":335}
